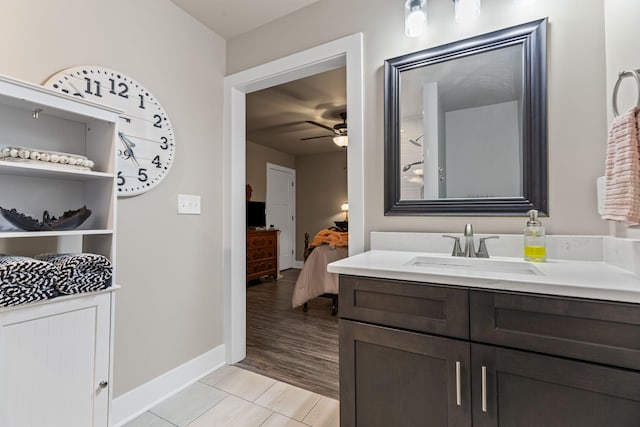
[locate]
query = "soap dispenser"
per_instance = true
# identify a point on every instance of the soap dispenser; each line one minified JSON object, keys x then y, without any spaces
{"x":534,"y":241}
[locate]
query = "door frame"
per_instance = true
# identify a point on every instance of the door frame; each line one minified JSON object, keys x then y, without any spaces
{"x":344,"y":51}
{"x":284,"y":169}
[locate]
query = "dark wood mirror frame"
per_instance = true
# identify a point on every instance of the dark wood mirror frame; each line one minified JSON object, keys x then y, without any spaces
{"x":532,"y":37}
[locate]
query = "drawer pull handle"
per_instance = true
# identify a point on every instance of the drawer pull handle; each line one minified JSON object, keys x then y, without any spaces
{"x":484,"y":389}
{"x":458,"y":385}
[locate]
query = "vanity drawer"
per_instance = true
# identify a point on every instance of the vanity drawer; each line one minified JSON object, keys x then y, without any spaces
{"x":424,"y":308}
{"x":598,"y":331}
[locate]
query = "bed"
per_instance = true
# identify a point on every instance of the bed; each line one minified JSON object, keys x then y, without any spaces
{"x":314,"y":281}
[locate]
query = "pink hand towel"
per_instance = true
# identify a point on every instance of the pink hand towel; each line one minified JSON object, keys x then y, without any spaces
{"x":622,"y":170}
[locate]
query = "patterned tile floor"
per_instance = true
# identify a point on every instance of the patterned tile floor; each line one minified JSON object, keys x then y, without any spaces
{"x":234,"y":397}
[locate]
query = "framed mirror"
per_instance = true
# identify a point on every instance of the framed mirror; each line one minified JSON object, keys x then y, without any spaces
{"x":466,"y":126}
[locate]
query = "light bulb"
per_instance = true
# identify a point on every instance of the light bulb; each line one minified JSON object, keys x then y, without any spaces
{"x":415,"y":17}
{"x":341,"y":141}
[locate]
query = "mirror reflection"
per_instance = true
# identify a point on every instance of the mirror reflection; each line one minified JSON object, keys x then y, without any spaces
{"x":466,"y":126}
{"x":461,"y":133}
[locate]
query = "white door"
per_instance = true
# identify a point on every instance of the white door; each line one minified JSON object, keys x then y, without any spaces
{"x":54,"y":363}
{"x":281,"y":206}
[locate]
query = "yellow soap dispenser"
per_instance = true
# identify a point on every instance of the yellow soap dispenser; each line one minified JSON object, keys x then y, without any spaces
{"x":534,"y":241}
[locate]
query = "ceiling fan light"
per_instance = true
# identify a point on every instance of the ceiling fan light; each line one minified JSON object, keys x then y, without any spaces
{"x":341,"y":140}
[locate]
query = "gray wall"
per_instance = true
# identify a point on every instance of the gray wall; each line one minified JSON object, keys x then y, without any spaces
{"x":257,"y":158}
{"x":166,"y":314}
{"x":622,"y":35}
{"x":576,"y":91}
{"x":321,"y":191}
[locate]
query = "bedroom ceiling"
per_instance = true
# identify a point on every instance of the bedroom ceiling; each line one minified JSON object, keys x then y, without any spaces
{"x":276,"y":117}
{"x":230,"y":18}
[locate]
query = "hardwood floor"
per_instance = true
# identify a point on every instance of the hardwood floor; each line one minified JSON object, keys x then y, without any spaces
{"x":288,"y":345}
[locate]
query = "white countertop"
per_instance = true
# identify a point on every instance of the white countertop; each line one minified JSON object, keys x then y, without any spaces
{"x":581,"y":279}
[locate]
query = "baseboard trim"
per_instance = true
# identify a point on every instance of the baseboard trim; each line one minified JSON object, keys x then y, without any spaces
{"x":133,"y":403}
{"x":298,"y":264}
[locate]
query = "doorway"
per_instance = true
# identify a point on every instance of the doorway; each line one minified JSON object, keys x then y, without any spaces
{"x":345,"y":51}
{"x":281,"y":206}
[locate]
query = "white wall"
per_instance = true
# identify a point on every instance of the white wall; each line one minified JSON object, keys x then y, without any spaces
{"x":576,"y":93}
{"x":483,"y":158}
{"x":622,"y":35}
{"x":169,"y":309}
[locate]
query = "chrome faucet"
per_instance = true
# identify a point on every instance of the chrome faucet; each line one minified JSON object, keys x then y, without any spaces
{"x":469,"y":249}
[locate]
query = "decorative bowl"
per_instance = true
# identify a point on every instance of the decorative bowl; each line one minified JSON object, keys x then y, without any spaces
{"x":68,"y":221}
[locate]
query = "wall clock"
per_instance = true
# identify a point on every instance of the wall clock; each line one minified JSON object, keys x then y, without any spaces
{"x":146,"y":143}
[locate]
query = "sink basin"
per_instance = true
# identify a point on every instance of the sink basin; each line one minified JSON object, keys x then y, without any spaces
{"x":475,"y":264}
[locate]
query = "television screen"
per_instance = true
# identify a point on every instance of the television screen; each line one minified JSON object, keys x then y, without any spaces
{"x":256,"y":214}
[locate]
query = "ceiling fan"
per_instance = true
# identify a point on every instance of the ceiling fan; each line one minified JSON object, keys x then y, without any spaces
{"x":339,"y":131}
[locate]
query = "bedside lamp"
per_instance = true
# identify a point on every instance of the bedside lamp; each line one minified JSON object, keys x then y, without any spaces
{"x":345,"y":208}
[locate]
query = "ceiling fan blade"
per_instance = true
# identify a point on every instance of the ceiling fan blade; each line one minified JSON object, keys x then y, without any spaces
{"x":316,"y":137}
{"x":319,"y":124}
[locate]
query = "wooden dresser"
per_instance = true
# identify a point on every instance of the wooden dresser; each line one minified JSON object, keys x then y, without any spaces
{"x":262,"y":254}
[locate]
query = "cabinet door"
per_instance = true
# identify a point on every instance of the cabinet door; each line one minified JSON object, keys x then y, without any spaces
{"x":529,"y":390}
{"x":53,"y":358}
{"x":390,"y":377}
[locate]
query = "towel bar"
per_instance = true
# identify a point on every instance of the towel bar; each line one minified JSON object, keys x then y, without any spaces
{"x":621,"y":76}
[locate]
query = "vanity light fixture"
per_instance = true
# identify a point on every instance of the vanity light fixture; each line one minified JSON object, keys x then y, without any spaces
{"x":415,"y":17}
{"x":341,"y":140}
{"x":466,"y":10}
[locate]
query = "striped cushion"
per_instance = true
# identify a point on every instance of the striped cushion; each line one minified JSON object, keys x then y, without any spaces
{"x":80,"y":272}
{"x":24,"y":280}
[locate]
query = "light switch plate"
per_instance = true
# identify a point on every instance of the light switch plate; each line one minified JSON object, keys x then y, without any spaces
{"x":188,"y":204}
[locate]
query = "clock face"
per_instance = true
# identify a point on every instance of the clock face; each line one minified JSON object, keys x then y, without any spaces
{"x":146,"y":143}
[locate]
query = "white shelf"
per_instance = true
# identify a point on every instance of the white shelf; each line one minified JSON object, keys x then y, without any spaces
{"x":59,"y":299}
{"x":51,"y":172}
{"x":73,"y":327}
{"x":25,"y":95}
{"x":22,"y":234}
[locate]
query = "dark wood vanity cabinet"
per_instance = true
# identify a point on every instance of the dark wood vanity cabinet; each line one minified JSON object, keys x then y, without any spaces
{"x":523,"y":360}
{"x":397,"y":366}
{"x":391,"y":377}
{"x":528,"y":389}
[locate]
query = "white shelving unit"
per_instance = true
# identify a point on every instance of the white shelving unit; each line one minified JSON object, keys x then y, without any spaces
{"x":56,"y":355}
